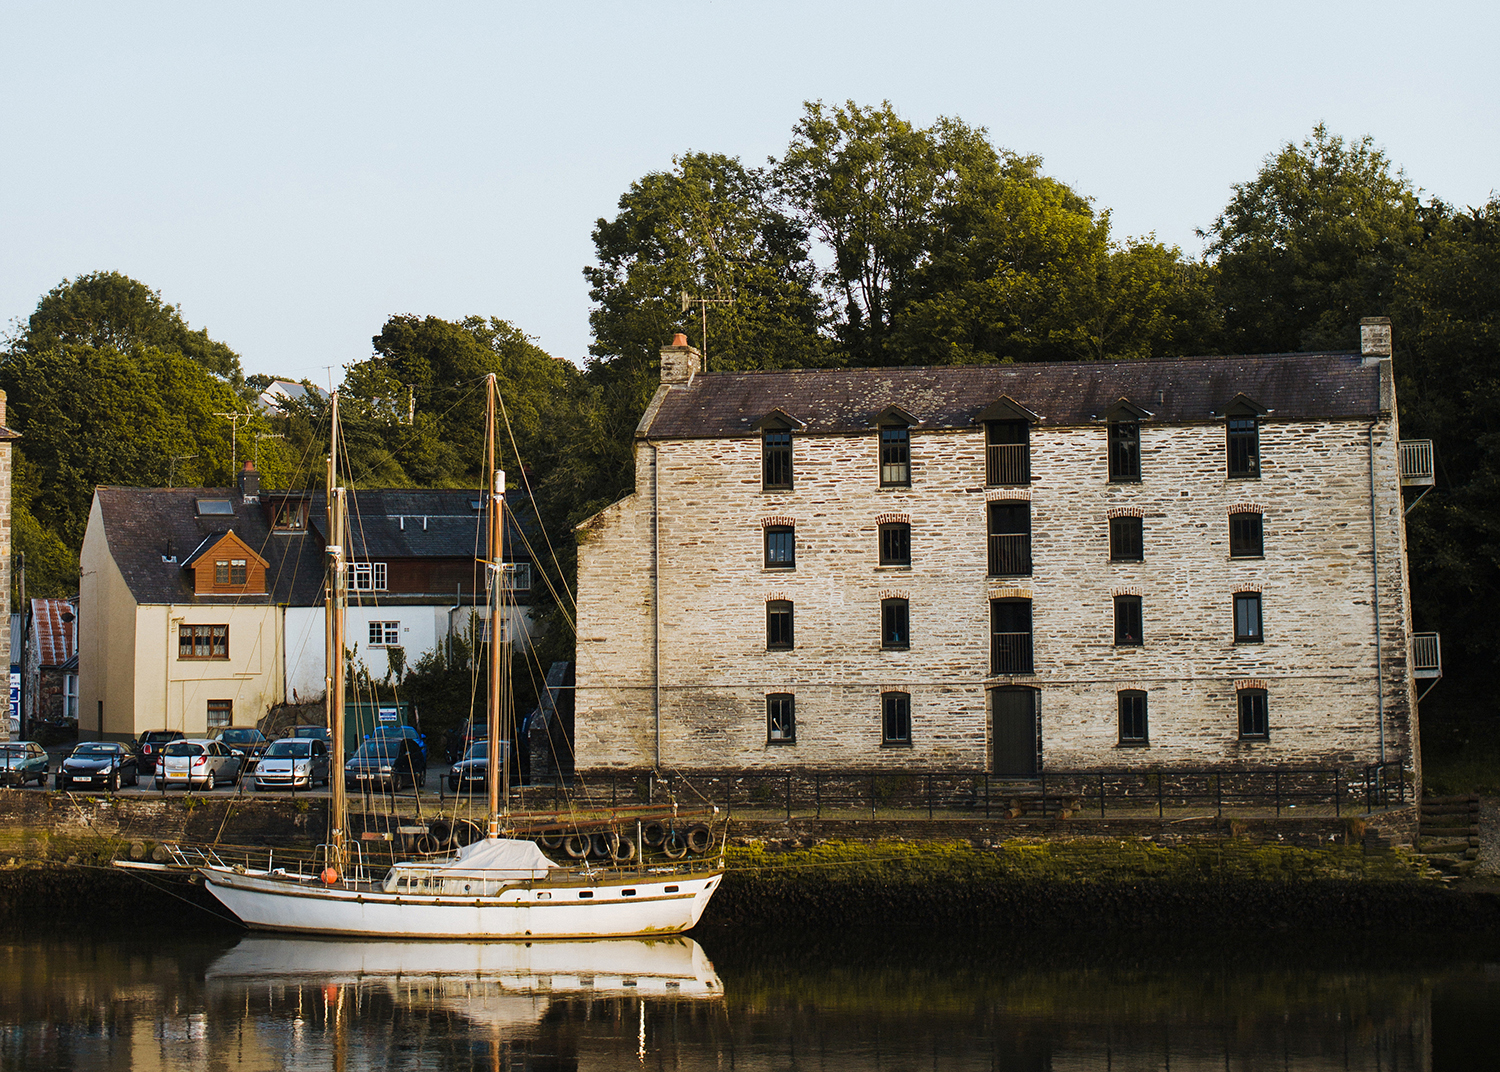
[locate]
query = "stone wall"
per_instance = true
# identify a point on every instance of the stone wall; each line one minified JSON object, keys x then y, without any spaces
{"x":1317,"y":661}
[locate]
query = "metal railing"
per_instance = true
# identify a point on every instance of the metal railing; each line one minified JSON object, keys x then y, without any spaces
{"x":1010,"y":554}
{"x":1416,"y":462}
{"x":1010,"y":653}
{"x":1426,"y":655}
{"x":1007,"y":464}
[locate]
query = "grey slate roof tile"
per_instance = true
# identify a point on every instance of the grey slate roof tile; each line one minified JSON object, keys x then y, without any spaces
{"x":1290,"y":386}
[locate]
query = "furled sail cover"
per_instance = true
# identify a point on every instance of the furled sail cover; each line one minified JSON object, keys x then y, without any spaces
{"x":518,"y":859}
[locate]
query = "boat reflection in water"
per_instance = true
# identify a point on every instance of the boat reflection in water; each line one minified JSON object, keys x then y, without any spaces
{"x":338,"y":1002}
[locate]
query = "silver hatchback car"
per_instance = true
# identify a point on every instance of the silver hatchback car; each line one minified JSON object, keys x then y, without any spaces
{"x":199,"y":762}
{"x":293,"y":763}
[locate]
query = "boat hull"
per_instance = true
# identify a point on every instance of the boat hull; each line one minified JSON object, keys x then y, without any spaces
{"x":612,"y":906}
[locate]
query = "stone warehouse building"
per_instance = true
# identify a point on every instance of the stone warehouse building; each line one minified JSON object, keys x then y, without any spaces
{"x":1187,"y":563}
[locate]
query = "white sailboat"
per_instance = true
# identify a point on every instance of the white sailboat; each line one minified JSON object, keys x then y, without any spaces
{"x":494,"y":888}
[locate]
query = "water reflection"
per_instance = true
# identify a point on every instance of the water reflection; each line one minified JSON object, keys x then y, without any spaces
{"x":891,"y":1001}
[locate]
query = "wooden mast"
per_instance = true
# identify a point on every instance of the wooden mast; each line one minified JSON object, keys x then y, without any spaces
{"x":333,"y":608}
{"x":495,"y":482}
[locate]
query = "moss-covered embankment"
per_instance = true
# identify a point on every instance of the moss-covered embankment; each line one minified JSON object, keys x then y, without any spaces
{"x":1091,"y":883}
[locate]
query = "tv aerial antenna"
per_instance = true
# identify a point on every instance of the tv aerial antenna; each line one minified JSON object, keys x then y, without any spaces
{"x":690,"y":300}
{"x":234,"y":420}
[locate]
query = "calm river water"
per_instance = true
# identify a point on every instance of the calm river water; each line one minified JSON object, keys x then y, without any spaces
{"x":902,"y":1000}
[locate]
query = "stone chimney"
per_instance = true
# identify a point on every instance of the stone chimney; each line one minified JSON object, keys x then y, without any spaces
{"x":680,"y":362}
{"x":250,"y":483}
{"x":1375,"y":336}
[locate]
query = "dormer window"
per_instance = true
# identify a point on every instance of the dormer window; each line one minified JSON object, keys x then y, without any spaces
{"x":894,"y":425}
{"x":776,"y":430}
{"x":1007,"y":443}
{"x":224,"y":564}
{"x":1124,"y":424}
{"x":234,"y":571}
{"x":1124,"y":450}
{"x":776,"y":460}
{"x":1243,"y":445}
{"x":289,"y":516}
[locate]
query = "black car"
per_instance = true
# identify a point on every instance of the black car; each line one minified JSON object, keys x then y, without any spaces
{"x":474,"y":768}
{"x":247,"y":740}
{"x":149,"y":744}
{"x":99,"y":763}
{"x":386,"y":761}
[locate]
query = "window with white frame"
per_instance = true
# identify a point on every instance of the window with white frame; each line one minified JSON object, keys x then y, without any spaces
{"x":384,"y":634}
{"x":517,"y":576}
{"x":367,"y":576}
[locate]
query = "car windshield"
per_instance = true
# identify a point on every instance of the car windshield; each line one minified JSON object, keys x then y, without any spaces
{"x":478,"y":750}
{"x":289,"y":749}
{"x":183,"y":748}
{"x":379,"y":748}
{"x":310,"y":731}
{"x":240,"y":736}
{"x":96,"y":749}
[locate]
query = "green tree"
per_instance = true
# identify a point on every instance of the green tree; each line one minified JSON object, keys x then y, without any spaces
{"x":111,"y":311}
{"x":96,"y":416}
{"x":1312,"y":244}
{"x":706,"y":229}
{"x":1446,"y":319}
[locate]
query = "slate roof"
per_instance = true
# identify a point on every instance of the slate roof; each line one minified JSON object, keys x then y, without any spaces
{"x":144,"y":524}
{"x":56,"y":640}
{"x":1173,"y":390}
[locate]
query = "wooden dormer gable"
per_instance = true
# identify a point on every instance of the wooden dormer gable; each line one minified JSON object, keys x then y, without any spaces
{"x":225,"y":565}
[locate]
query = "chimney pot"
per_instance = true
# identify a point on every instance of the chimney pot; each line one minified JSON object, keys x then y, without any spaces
{"x":679,"y":339}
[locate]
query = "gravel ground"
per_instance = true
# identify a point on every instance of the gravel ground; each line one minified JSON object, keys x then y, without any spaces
{"x":1489,"y":837}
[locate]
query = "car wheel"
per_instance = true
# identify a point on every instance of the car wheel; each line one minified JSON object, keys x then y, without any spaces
{"x":208,"y":784}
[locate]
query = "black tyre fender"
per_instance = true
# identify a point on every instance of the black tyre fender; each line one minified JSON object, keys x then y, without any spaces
{"x":602,"y":845}
{"x":675,"y":846}
{"x":623,"y":849}
{"x":699,"y":839}
{"x":576,"y":846}
{"x":653,"y":834}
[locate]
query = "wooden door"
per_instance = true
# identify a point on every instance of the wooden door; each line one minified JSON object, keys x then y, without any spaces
{"x":1013,"y":720}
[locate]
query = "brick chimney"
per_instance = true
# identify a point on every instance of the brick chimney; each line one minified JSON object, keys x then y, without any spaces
{"x":680,"y":362}
{"x":250,"y":483}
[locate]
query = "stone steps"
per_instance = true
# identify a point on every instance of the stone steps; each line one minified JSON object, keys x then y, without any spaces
{"x":1448,"y":833}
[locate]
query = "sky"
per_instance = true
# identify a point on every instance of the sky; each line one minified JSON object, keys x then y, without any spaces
{"x":291,"y":175}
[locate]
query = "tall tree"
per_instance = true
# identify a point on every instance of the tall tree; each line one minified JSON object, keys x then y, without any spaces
{"x":707,"y":230}
{"x":1312,"y":244}
{"x":111,"y":311}
{"x":1446,"y":314}
{"x":92,"y":416}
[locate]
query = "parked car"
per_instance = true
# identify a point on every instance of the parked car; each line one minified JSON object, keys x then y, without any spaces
{"x":474,"y":769}
{"x":293,"y":762}
{"x":149,"y":744}
{"x":316,"y":733}
{"x":409,"y":732}
{"x":198,"y":761}
{"x":459,"y":740}
{"x":247,"y":740}
{"x":22,"y":762}
{"x":103,"y":763}
{"x":383,"y":761}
